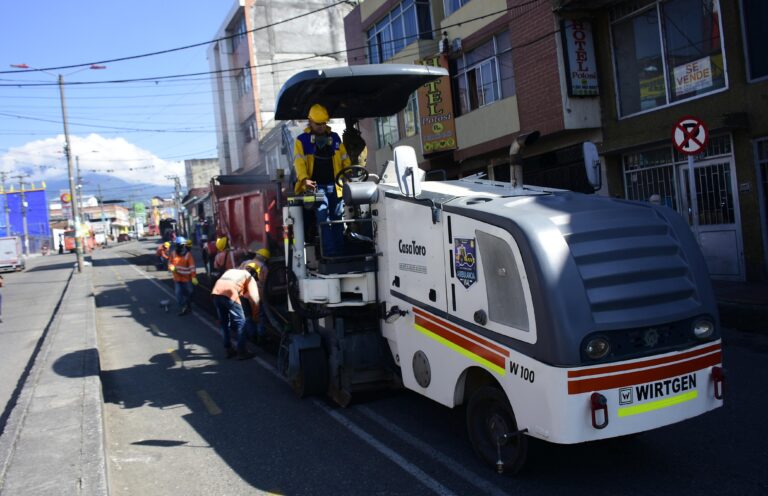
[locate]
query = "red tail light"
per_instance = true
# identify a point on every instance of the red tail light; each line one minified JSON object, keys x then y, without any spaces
{"x":599,"y":403}
{"x":718,"y":378}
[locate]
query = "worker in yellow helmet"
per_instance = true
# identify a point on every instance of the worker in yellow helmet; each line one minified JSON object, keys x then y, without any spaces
{"x":162,"y":256}
{"x":319,"y":155}
{"x":258,"y":260}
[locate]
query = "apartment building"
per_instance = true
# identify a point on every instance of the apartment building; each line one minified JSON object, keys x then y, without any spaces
{"x":660,"y":61}
{"x":261,"y":44}
{"x":507,"y":78}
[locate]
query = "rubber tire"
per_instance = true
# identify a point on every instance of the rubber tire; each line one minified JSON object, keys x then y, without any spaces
{"x":486,"y":406}
{"x":312,"y":379}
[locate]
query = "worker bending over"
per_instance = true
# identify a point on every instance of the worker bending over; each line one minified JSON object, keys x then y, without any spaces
{"x":258,"y":315}
{"x":233,"y":285}
{"x":162,"y":256}
{"x":182,"y":266}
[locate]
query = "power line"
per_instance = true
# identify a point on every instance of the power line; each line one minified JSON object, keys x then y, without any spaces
{"x":269,"y":64}
{"x":185,"y":47}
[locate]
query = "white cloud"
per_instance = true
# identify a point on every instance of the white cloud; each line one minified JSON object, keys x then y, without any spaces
{"x":45,"y":160}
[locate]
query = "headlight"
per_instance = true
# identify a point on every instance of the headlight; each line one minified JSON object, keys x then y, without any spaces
{"x":703,"y":328}
{"x":597,"y":348}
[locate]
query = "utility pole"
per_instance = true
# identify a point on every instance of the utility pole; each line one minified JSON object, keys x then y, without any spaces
{"x":6,"y":207}
{"x":72,"y":191}
{"x":23,"y":214}
{"x":177,"y":199}
{"x":103,"y":225}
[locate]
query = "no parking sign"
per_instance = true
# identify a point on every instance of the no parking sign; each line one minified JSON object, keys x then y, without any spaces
{"x":690,"y":135}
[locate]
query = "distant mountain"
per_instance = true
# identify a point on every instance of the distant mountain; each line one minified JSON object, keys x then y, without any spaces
{"x":111,"y":188}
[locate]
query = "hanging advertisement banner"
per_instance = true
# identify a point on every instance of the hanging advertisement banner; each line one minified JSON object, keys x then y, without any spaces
{"x":438,"y":129}
{"x":580,"y":63}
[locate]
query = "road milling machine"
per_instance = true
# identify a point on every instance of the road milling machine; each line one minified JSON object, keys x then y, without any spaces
{"x":562,"y":316}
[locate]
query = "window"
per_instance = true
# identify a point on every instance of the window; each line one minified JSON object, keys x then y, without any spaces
{"x":503,"y":284}
{"x":755,"y":16}
{"x":411,"y":116}
{"x":666,"y":52}
{"x":452,"y":6}
{"x":244,"y":81}
{"x":238,"y":33}
{"x":386,"y":131}
{"x":403,"y":25}
{"x":249,"y":129}
{"x":485,"y":75}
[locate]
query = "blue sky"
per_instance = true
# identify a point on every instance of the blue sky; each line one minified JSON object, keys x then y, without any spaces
{"x":106,"y":120}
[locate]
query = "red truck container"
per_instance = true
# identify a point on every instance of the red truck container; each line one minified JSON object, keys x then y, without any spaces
{"x":248,"y":210}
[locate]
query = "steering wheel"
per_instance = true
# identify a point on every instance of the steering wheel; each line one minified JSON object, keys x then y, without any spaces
{"x":352,"y":173}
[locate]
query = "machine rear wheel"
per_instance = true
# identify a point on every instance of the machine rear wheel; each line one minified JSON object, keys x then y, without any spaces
{"x":489,"y":418}
{"x":312,"y":379}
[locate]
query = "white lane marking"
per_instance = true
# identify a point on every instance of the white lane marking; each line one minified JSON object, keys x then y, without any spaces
{"x":432,"y":453}
{"x":134,"y":299}
{"x":412,"y":469}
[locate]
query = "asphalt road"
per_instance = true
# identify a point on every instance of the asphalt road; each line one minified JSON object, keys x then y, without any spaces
{"x":180,"y":419}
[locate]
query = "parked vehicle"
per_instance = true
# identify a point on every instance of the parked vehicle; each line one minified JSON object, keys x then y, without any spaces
{"x":11,"y":254}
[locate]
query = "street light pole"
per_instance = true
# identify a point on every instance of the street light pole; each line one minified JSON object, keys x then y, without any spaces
{"x":72,"y":191}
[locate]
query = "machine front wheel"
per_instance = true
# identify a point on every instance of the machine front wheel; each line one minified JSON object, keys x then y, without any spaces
{"x":312,"y":379}
{"x":493,"y":431}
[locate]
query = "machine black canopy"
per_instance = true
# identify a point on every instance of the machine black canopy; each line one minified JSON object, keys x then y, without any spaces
{"x":353,"y":92}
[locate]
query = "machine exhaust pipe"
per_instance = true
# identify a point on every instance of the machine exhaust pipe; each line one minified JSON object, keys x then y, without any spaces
{"x":516,"y":157}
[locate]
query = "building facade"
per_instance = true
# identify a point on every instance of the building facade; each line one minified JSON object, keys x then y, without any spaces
{"x":262,"y":44}
{"x":199,"y":172}
{"x":616,"y":74}
{"x":662,"y":61}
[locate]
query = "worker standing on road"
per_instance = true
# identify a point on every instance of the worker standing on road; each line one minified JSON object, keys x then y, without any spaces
{"x":182,"y":265}
{"x":163,"y":255}
{"x":223,"y":260}
{"x":319,"y":155}
{"x":227,"y":294}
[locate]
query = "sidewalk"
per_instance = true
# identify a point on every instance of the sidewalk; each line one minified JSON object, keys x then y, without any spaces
{"x":743,"y":305}
{"x":53,"y":442}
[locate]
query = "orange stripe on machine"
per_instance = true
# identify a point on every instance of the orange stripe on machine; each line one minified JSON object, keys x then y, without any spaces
{"x":633,"y":377}
{"x":462,"y":338}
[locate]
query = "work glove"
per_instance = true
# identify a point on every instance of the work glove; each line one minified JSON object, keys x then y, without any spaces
{"x":194,"y":281}
{"x":172,"y":268}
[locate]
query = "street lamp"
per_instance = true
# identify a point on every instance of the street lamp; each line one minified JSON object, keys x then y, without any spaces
{"x":68,"y":152}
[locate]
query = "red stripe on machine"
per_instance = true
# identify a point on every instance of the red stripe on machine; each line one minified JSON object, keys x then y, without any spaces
{"x":461,"y":342}
{"x":643,"y":364}
{"x":643,"y":376}
{"x":488,"y":344}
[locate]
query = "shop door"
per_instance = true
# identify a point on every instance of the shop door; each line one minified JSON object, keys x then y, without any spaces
{"x":718,"y":223}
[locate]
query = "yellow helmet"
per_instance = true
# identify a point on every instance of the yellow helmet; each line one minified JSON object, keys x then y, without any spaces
{"x":263,"y":253}
{"x":252,"y":267}
{"x":318,"y":114}
{"x":188,"y":242}
{"x":221,"y":243}
{"x":167,"y":244}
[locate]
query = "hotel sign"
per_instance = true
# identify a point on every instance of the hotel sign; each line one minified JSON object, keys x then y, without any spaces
{"x":436,"y":119}
{"x":580,"y":63}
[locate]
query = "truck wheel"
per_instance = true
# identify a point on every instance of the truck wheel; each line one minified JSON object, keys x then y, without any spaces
{"x":312,"y":379}
{"x":489,"y":418}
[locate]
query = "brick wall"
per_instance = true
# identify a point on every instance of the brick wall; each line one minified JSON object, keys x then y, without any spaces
{"x":534,"y":57}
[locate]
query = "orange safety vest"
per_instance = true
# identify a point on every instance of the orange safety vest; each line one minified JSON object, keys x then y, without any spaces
{"x":185,"y":267}
{"x":236,"y":283}
{"x":162,"y":251}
